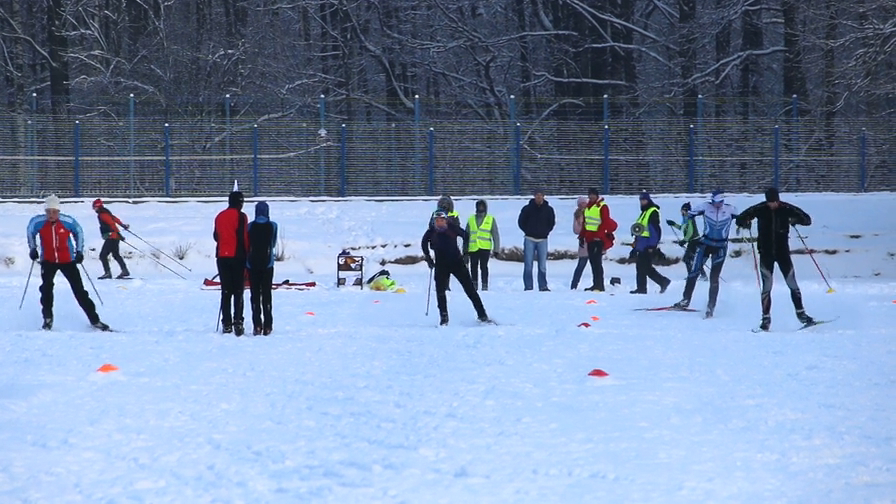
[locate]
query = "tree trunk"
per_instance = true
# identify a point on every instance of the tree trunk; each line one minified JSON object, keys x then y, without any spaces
{"x":687,"y":54}
{"x":793,"y":74}
{"x":60,"y":93}
{"x":752,"y":40}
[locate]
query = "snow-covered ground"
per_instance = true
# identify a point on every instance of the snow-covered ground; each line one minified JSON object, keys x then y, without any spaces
{"x":367,"y":401}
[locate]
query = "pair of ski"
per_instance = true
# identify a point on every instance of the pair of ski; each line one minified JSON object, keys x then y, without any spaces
{"x":478,"y":322}
{"x":755,"y":329}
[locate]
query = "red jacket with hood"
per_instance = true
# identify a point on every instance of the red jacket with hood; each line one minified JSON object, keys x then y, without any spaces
{"x":606,"y":229}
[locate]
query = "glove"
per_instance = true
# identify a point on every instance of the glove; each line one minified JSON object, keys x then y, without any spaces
{"x":611,"y":236}
{"x":744,"y":224}
{"x":670,"y":222}
{"x":681,"y":243}
{"x":581,"y":241}
{"x":794,"y":221}
{"x":126,"y":226}
{"x":430,"y":262}
{"x":33,"y":254}
{"x":466,"y":258}
{"x":496,"y":254}
{"x":79,"y":258}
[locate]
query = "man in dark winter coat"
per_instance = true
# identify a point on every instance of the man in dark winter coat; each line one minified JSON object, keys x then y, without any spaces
{"x":774,"y":219}
{"x":231,"y":235}
{"x":647,"y":232}
{"x":262,"y":242}
{"x":536,"y":221}
{"x":112,"y":236}
{"x":442,"y":238}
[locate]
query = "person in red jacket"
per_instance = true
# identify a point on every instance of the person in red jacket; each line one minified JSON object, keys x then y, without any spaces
{"x":232,"y":237}
{"x":58,"y":253}
{"x":597,"y":236}
{"x":111,"y":235}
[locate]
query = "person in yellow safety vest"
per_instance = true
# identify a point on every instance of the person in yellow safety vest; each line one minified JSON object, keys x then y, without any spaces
{"x":647,"y":233}
{"x":484,"y":242}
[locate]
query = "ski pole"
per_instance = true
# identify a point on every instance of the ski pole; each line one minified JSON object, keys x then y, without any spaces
{"x":428,"y":292}
{"x":31,"y":270}
{"x":830,"y":289}
{"x":218,"y":320}
{"x":154,"y":259}
{"x":157,"y":250}
{"x":755,"y":261}
{"x":91,"y":284}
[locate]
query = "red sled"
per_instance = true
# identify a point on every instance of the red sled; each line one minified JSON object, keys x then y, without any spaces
{"x":212,"y":284}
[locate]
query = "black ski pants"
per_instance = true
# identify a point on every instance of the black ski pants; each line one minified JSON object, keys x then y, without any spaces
{"x":260,"y":286}
{"x":111,"y":246}
{"x":232,"y":274}
{"x":644,"y":269}
{"x":443,"y":271}
{"x":479,"y":262}
{"x":596,"y":258}
{"x":70,"y":272}
{"x":767,"y":268}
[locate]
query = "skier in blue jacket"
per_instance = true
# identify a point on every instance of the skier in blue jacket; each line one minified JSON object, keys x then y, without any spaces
{"x":717,"y":219}
{"x":260,"y":263}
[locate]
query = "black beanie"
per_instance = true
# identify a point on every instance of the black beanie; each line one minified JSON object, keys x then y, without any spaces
{"x":235,"y":200}
{"x":593,"y":190}
{"x":771,"y":194}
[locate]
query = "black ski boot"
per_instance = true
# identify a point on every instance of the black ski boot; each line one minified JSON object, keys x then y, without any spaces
{"x":228,"y":328}
{"x":484,"y":285}
{"x":684,"y":303}
{"x":256,"y":331}
{"x":105,"y":276}
{"x":102,"y":326}
{"x":443,"y":319}
{"x":238,"y":329}
{"x":709,"y":312}
{"x":476,"y":286}
{"x":124,"y":274}
{"x":805,"y":319}
{"x":48,"y":324}
{"x":766,"y":323}
{"x":267,"y":330}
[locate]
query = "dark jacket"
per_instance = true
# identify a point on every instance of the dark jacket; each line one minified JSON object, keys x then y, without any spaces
{"x":262,"y":239}
{"x":537,"y":221}
{"x":773,"y":226}
{"x":444,"y":242}
{"x":653,"y":225}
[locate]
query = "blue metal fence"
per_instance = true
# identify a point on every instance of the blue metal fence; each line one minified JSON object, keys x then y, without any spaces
{"x":279,"y":157}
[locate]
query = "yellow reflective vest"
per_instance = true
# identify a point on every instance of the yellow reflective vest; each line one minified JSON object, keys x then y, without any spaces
{"x":644,"y":219}
{"x":481,"y":236}
{"x":592,"y":217}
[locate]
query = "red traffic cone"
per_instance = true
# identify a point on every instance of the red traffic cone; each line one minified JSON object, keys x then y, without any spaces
{"x":600,"y":373}
{"x":584,"y":324}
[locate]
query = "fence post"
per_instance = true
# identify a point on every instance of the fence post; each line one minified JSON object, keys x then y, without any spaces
{"x":691,"y":161}
{"x":255,"y":160}
{"x":343,"y":178}
{"x":518,"y":161}
{"x":77,"y":148}
{"x":418,"y":138}
{"x":698,"y":139}
{"x":227,"y":134}
{"x":167,"y":161}
{"x":606,"y":109}
{"x":322,"y":132}
{"x":863,"y":153}
{"x":514,"y":140}
{"x":795,"y":140}
{"x":432,"y":162}
{"x":777,"y":157}
{"x":33,"y":103}
{"x":606,"y":189}
{"x":131,"y":141}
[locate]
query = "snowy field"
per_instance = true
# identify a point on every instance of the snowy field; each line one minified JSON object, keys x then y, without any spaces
{"x":357,"y":396}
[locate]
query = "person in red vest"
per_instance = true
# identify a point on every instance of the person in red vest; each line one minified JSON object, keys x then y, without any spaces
{"x":58,"y":253}
{"x":231,"y":235}
{"x":111,"y":235}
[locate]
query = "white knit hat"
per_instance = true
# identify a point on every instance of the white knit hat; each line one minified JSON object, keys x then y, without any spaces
{"x":52,"y":202}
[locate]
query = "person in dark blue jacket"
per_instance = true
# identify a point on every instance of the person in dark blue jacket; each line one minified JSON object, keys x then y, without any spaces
{"x":647,"y":232}
{"x":536,"y":221}
{"x":442,"y":239}
{"x":260,"y":262}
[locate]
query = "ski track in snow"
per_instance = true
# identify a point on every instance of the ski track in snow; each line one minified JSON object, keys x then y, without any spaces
{"x":371,"y":402}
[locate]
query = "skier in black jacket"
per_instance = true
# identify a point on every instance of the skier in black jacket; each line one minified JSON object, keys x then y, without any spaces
{"x":774,"y":219}
{"x":442,"y":238}
{"x":260,"y":262}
